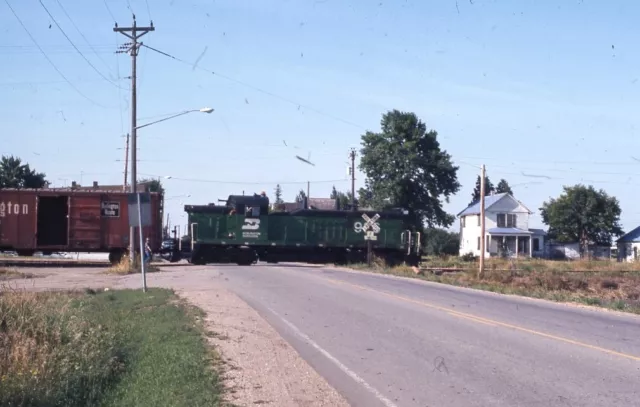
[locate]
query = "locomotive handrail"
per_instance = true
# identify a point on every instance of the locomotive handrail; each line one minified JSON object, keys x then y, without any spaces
{"x":193,"y":237}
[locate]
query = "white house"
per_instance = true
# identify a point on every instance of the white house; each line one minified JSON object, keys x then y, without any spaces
{"x":629,"y":246}
{"x":506,"y":227}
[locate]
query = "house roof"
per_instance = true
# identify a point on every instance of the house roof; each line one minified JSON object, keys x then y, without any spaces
{"x":474,"y":208}
{"x":633,"y":236}
{"x":489,"y":200}
{"x":322,"y":203}
{"x":538,"y":231}
{"x":508,"y":231}
{"x":327,"y":204}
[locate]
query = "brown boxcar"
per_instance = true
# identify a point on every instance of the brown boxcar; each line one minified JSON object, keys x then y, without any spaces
{"x":51,"y":220}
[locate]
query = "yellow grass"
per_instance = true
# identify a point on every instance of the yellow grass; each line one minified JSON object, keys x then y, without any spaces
{"x":125,"y":267}
{"x":605,"y":283}
{"x":533,"y":264}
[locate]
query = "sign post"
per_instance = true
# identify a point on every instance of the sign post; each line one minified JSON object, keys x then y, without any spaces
{"x":140,"y":216}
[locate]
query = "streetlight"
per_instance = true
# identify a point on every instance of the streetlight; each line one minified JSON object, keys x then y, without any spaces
{"x":203,"y":110}
{"x":134,"y":184}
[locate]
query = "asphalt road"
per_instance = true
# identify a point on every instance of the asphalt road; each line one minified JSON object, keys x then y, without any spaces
{"x":384,"y":341}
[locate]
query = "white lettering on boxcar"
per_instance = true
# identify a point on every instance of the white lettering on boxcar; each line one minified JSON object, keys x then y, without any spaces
{"x":12,"y":208}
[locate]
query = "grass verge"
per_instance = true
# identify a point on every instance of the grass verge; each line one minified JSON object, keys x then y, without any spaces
{"x":614,"y":289}
{"x":111,"y":348}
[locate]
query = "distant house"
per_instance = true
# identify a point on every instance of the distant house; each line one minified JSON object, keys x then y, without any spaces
{"x":629,"y":245}
{"x":314,"y":203}
{"x":573,"y":251}
{"x":506,"y":226}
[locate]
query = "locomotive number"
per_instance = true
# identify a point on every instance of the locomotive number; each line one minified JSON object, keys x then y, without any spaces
{"x":357,"y":227}
{"x":251,"y":224}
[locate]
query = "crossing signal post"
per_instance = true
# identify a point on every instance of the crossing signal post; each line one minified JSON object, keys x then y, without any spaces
{"x":370,"y":229}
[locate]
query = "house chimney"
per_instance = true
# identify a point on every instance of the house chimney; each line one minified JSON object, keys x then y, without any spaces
{"x":95,"y":184}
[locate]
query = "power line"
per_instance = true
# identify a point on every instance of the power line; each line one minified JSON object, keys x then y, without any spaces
{"x":245,"y":182}
{"x":82,"y":35}
{"x":148,"y":9}
{"x":555,"y":161}
{"x":109,"y":10}
{"x":48,"y":59}
{"x":266,"y":92}
{"x":74,"y":46}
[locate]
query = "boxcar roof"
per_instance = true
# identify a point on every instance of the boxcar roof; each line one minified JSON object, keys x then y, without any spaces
{"x":68,"y":191}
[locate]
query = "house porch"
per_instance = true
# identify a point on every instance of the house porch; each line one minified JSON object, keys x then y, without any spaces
{"x":513,"y":243}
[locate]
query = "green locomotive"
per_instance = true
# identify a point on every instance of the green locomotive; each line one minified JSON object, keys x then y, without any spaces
{"x":245,"y":230}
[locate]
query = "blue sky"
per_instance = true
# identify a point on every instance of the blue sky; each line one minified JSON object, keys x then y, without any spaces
{"x":526,"y":87}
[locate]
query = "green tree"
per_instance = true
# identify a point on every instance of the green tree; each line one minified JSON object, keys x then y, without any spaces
{"x":153,"y":185}
{"x":488,"y":189}
{"x":15,"y":174}
{"x":503,"y":187}
{"x":278,"y":193}
{"x":301,"y":195}
{"x":405,"y":167}
{"x":441,"y":242}
{"x":582,"y":214}
{"x":343,"y":198}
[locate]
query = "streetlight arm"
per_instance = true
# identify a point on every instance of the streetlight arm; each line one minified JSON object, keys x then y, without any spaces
{"x":167,"y":118}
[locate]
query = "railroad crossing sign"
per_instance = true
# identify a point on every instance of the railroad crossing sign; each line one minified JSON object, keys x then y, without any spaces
{"x":370,"y":227}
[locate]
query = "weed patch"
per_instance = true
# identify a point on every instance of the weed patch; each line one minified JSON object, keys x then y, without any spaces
{"x":12,"y":274}
{"x":125,"y":267}
{"x":104,"y":348}
{"x":601,"y":283}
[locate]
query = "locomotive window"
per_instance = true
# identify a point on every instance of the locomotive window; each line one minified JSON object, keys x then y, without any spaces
{"x":253,"y":211}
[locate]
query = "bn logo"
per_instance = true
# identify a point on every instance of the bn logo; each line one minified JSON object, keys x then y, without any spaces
{"x":251,"y":224}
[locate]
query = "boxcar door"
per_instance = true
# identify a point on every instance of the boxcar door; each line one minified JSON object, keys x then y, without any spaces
{"x":84,"y":222}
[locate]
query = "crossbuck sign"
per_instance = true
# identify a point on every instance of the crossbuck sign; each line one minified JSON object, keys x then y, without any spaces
{"x":370,"y":227}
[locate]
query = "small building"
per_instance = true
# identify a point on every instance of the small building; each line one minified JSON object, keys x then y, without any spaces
{"x":628,"y":245}
{"x":506,"y":227}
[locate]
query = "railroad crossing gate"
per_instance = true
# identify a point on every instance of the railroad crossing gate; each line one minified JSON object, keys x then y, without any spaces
{"x":370,"y":227}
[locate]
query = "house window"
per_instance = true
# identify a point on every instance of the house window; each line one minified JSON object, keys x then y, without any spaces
{"x":506,"y":220}
{"x":478,"y":242}
{"x":536,"y":244}
{"x":462,"y":221}
{"x":478,"y":220}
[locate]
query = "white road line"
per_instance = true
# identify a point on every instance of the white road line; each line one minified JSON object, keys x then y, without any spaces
{"x":342,"y":367}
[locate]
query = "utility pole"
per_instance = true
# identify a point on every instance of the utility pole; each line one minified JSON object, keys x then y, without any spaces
{"x":134,"y":33}
{"x":126,"y":163}
{"x":482,"y":231}
{"x":308,"y":187}
{"x":352,"y":155}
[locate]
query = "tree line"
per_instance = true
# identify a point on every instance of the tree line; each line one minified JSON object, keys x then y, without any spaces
{"x":406,"y":167}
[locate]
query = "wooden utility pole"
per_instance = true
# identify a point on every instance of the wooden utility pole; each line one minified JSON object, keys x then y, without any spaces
{"x":352,"y":155}
{"x":482,"y":218}
{"x":134,"y":33}
{"x":126,"y":164}
{"x":308,"y":188}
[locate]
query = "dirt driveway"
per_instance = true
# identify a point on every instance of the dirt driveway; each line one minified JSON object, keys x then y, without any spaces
{"x":262,"y":368}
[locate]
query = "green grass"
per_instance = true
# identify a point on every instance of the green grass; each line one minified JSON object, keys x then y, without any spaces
{"x":115,"y":348}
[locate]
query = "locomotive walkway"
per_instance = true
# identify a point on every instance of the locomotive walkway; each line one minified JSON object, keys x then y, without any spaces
{"x":388,"y":341}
